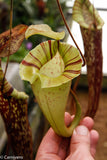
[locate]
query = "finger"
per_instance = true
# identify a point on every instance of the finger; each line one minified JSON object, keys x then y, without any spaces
{"x":80,"y":137}
{"x":68,"y":119}
{"x":94,"y":137}
{"x":80,"y":144}
{"x":88,"y":122}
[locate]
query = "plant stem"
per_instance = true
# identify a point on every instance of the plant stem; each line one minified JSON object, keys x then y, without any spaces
{"x":61,"y":12}
{"x":11,"y":18}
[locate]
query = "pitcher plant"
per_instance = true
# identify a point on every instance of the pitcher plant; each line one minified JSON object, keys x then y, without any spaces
{"x":13,"y":109}
{"x":91,"y":28}
{"x":50,"y":68}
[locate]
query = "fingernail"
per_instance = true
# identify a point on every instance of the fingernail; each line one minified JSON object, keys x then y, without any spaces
{"x":81,"y":130}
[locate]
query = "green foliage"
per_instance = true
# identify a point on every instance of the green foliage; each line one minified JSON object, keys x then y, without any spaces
{"x":27,"y":12}
{"x":52,"y":16}
{"x":19,"y":55}
{"x":23,"y":11}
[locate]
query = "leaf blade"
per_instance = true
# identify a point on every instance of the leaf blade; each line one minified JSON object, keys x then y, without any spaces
{"x":17,"y":37}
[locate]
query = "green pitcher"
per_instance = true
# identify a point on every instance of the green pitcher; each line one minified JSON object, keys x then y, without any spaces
{"x":50,"y":68}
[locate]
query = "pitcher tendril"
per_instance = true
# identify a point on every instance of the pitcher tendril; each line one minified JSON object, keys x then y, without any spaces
{"x":61,"y":12}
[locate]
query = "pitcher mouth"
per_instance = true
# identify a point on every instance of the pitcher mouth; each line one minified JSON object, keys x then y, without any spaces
{"x":54,"y":67}
{"x":53,"y":62}
{"x":86,"y":15}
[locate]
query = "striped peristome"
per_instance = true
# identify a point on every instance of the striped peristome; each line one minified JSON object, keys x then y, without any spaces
{"x":42,"y":54}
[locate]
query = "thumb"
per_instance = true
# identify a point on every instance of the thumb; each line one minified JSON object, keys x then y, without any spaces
{"x":80,"y":144}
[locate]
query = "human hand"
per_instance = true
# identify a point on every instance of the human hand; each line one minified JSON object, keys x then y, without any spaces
{"x":81,"y":146}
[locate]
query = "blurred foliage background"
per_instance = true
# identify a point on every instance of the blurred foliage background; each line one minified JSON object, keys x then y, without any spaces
{"x":31,"y":12}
